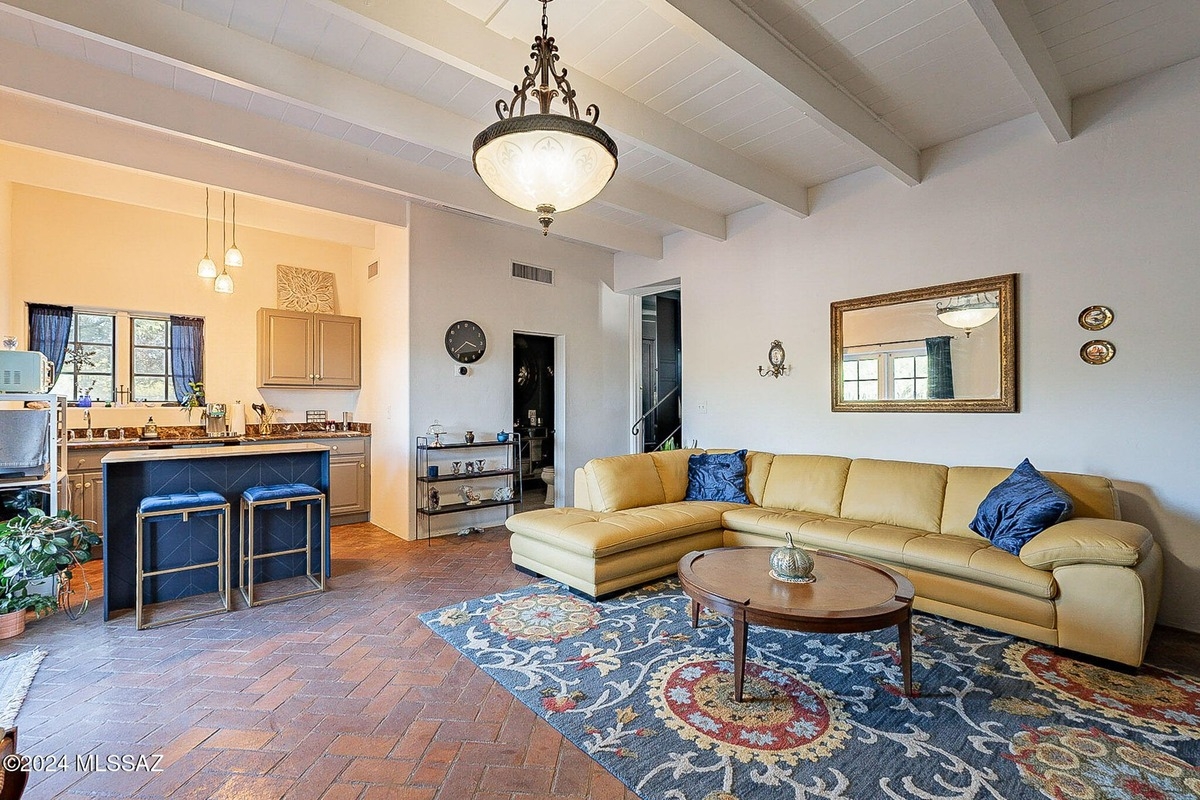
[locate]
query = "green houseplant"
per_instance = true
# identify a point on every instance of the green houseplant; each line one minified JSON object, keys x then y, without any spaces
{"x":34,"y":546}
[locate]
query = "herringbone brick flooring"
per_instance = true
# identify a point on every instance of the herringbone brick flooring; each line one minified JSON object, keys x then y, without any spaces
{"x":343,"y":695}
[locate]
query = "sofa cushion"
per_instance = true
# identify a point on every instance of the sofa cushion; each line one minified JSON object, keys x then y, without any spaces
{"x":772,"y":521}
{"x":977,"y":560}
{"x":965,"y":489}
{"x":901,"y":493}
{"x":758,"y":468}
{"x":1092,"y":495}
{"x":672,"y":467}
{"x":717,"y":476}
{"x":1020,"y":507}
{"x":806,"y":483}
{"x":1088,"y":541}
{"x":599,"y":534}
{"x":620,"y":482}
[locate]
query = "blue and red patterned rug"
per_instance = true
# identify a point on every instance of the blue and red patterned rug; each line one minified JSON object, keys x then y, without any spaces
{"x":635,"y":687}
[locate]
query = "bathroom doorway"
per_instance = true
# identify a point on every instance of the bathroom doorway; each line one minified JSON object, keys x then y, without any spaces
{"x":534,"y":390}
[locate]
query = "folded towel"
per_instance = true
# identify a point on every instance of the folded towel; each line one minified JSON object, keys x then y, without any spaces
{"x":23,"y":445}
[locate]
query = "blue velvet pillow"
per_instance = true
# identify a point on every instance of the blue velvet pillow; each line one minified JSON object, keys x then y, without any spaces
{"x":717,"y":476}
{"x":1020,"y":507}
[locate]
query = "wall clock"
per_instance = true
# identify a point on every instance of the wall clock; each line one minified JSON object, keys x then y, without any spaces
{"x":465,"y":341}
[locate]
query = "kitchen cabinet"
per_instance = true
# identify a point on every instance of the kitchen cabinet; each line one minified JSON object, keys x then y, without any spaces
{"x":85,"y":479}
{"x":349,"y":479}
{"x":296,"y":348}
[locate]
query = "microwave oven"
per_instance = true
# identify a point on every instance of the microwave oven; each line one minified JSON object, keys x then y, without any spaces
{"x":26,"y":371}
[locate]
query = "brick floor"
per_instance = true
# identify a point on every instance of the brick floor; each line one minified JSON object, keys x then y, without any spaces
{"x":345,"y":696}
{"x":342,"y":696}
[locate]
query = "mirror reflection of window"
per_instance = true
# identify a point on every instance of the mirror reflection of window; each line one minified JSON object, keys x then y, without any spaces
{"x":886,"y":375}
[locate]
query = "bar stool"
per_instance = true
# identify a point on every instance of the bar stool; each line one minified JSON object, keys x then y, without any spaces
{"x":154,"y":509}
{"x":284,"y":494}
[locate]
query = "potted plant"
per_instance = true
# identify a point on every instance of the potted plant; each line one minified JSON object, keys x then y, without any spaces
{"x":194,"y":398}
{"x":35,"y":546}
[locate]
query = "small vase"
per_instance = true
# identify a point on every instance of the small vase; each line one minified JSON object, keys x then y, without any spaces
{"x":470,"y":437}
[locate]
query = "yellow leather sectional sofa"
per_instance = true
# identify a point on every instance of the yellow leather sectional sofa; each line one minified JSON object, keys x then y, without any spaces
{"x":1090,"y":584}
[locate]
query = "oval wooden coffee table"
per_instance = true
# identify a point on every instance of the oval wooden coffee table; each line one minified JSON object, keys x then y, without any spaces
{"x":848,"y":596}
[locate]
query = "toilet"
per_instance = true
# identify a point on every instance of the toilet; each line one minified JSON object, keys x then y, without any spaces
{"x":548,"y":477}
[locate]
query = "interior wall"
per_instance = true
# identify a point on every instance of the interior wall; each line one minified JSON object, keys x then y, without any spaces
{"x":461,"y":268}
{"x":385,"y":366}
{"x":8,"y":302}
{"x":74,"y":250}
{"x":1107,"y":218}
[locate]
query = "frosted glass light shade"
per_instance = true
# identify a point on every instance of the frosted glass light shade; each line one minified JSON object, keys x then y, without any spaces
{"x":224,"y":283}
{"x":968,"y":311}
{"x":206,"y":268}
{"x":545,"y":160}
{"x":233,"y":257}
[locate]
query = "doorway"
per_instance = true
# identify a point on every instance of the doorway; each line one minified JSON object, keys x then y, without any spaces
{"x":534,"y":414}
{"x":661,"y":377}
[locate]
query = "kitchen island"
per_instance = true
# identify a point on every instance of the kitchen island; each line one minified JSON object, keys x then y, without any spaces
{"x":131,"y":475}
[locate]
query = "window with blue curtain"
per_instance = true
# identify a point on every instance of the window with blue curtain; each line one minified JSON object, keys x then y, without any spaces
{"x":187,"y":353}
{"x":50,"y":331}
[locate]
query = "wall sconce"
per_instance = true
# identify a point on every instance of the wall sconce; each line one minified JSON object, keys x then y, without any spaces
{"x":776,"y":356}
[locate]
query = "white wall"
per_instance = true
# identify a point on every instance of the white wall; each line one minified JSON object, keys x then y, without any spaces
{"x":1109,"y":218}
{"x":385,"y":394}
{"x":6,"y":319}
{"x":461,"y":268}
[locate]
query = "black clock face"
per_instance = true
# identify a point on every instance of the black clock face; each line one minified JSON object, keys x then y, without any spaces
{"x":465,"y":342}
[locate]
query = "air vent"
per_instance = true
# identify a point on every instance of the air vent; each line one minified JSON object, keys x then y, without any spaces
{"x":536,"y":274}
{"x":373,"y":270}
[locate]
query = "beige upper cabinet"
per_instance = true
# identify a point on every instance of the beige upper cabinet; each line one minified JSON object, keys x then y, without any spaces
{"x":296,"y":348}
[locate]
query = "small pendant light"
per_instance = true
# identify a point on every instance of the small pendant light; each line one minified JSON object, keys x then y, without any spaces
{"x":206,"y":268}
{"x":233,"y":256}
{"x":224,"y":281}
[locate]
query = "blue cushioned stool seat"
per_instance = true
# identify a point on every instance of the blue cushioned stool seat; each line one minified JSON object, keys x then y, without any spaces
{"x":159,"y":509}
{"x":258,"y":500}
{"x":280,"y":491}
{"x":180,"y":501}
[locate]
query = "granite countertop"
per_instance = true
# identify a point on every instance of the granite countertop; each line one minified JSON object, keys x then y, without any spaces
{"x":251,"y":448}
{"x":167,"y":441}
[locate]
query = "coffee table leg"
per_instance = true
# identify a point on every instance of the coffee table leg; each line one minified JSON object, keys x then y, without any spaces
{"x":739,"y":655}
{"x":905,"y":628}
{"x":695,"y":613}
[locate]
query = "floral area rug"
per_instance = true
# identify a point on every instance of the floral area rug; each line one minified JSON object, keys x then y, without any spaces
{"x":650,"y":698}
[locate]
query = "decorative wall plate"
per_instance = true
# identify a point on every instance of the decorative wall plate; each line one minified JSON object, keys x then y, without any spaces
{"x":1095,"y":318}
{"x":1098,"y":351}
{"x":300,"y":289}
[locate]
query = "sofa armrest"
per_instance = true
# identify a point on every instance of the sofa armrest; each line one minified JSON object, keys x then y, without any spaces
{"x":1088,"y":540}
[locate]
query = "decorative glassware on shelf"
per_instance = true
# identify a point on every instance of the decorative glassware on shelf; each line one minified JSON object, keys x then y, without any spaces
{"x":469,"y":437}
{"x":436,"y":430}
{"x":469,"y":495}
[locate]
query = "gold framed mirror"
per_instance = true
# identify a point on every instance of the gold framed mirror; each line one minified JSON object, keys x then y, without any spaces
{"x":949,"y":348}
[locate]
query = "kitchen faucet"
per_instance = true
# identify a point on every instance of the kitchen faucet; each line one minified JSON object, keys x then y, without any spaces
{"x":106,"y":431}
{"x":87,"y":421}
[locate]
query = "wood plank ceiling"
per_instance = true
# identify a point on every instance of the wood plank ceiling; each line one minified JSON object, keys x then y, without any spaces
{"x":716,"y":105}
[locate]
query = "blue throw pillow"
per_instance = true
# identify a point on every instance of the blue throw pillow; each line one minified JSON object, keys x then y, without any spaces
{"x":717,"y":476}
{"x":1020,"y":507}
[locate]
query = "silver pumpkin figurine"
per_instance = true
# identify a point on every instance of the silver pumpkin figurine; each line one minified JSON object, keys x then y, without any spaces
{"x":791,"y":564}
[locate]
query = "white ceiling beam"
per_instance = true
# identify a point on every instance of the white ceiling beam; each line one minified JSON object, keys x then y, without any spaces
{"x":732,"y":33}
{"x":41,"y":74}
{"x":1011,"y":27}
{"x":455,"y":37}
{"x":186,"y":41}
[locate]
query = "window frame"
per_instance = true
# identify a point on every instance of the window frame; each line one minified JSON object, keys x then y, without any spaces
{"x":885,"y":374}
{"x":167,"y":374}
{"x":123,"y":368}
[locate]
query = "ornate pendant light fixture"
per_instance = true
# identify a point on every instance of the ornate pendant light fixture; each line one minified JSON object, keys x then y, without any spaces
{"x":206,"y":268}
{"x":224,"y":281}
{"x":233,"y":256}
{"x":545,"y":162}
{"x":968,"y":311}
